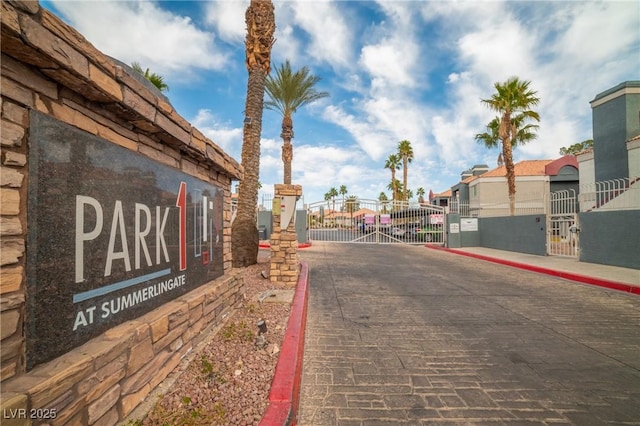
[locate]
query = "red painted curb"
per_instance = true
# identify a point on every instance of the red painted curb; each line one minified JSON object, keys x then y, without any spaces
{"x":285,"y":387}
{"x":614,"y":285}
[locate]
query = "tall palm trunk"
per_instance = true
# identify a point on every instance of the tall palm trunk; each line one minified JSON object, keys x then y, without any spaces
{"x":394,"y":190}
{"x":507,"y":155}
{"x":405,"y":166}
{"x":287,"y":147}
{"x":505,"y":132}
{"x":260,"y":21}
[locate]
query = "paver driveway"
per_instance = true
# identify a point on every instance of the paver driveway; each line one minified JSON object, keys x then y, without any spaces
{"x":411,"y":336}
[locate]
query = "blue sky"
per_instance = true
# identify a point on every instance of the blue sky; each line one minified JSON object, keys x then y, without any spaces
{"x":395,"y":70}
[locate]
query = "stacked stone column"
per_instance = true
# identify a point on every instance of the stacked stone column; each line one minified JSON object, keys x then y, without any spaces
{"x":284,"y":242}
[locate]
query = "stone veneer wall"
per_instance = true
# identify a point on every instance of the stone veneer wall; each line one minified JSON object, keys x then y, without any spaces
{"x":47,"y":66}
{"x":285,"y":266}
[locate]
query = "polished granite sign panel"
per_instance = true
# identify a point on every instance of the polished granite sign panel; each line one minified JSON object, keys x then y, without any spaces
{"x":111,"y":235}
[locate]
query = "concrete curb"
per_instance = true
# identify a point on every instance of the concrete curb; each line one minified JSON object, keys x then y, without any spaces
{"x":628,"y":288}
{"x":284,"y":395}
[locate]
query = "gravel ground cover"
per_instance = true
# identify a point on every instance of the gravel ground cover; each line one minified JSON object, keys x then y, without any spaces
{"x":227,"y":380}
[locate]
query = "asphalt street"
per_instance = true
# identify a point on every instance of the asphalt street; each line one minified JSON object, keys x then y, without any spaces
{"x":400,"y":334}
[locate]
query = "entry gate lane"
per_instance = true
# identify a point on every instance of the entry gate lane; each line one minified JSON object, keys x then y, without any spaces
{"x":417,"y":336}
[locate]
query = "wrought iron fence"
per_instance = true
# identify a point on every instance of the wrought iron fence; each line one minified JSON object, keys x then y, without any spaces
{"x":526,"y":204}
{"x":265,"y":201}
{"x":614,"y":194}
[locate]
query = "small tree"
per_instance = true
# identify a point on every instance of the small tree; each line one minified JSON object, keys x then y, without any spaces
{"x":384,"y":200}
{"x":392,"y":163}
{"x":576,"y":148}
{"x":343,"y":191}
{"x":408,"y":194}
{"x":155,"y":79}
{"x":333,"y":193}
{"x":352,"y":204}
{"x":395,"y":185}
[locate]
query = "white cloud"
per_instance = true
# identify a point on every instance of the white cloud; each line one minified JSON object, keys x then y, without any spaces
{"x":224,"y":135}
{"x":270,"y":145}
{"x":168,"y":44}
{"x":286,"y":46}
{"x":373,"y":141}
{"x":390,"y":63}
{"x":604,"y":29}
{"x":228,"y":17}
{"x":325,"y":23}
{"x":316,"y":168}
{"x":308,"y":157}
{"x":498,"y":52}
{"x":392,"y":57}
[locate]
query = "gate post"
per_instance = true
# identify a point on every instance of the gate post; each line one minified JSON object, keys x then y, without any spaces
{"x":453,"y":239}
{"x":284,"y":241}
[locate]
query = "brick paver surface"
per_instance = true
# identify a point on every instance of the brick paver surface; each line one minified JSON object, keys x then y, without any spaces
{"x":410,"y":336}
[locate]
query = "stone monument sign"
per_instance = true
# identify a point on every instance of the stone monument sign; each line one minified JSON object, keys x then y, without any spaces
{"x":113,"y":235}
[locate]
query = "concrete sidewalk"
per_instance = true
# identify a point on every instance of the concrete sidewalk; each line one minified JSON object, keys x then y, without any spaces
{"x":624,"y":279}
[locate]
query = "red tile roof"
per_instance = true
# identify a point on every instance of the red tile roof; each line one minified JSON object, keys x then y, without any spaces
{"x":471,"y":178}
{"x":522,"y":168}
{"x":446,"y":193}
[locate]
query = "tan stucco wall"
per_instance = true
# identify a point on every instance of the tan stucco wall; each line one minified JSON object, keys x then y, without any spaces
{"x":633,"y":147}
{"x":587,"y":169}
{"x":491,"y":194}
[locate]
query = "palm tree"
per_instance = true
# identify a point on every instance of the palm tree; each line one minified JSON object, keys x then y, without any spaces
{"x":333,"y":193}
{"x":420,"y":193}
{"x":491,"y":137}
{"x":287,"y":91}
{"x":384,"y":200}
{"x":395,"y":185}
{"x":408,"y":194}
{"x":155,"y":79}
{"x":512,"y":101}
{"x":327,"y":197}
{"x":352,"y":205}
{"x":343,"y":191}
{"x":392,"y":164}
{"x":406,"y":153}
{"x":261,"y":24}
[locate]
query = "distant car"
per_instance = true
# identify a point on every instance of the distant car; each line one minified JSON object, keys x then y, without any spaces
{"x":427,"y":233}
{"x":397,"y":232}
{"x":413,"y":232}
{"x":367,"y":228}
